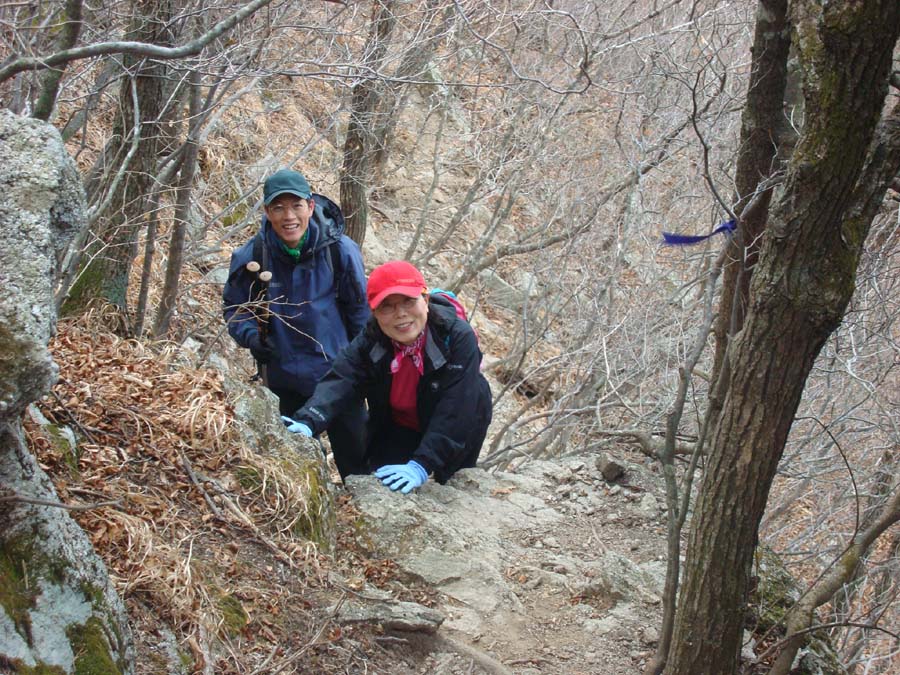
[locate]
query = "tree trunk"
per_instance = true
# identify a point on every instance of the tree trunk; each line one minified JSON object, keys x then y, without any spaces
{"x":762,"y":118}
{"x":434,"y":28}
{"x":169,"y":297}
{"x":798,"y":295}
{"x":140,"y":313}
{"x":68,"y":36}
{"x":677,"y":504}
{"x":359,"y":146}
{"x":106,"y":274}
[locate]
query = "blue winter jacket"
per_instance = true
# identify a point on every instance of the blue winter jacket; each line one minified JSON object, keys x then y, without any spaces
{"x":314,"y":315}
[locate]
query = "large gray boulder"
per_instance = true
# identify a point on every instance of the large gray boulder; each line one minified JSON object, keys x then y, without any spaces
{"x":58,"y":609}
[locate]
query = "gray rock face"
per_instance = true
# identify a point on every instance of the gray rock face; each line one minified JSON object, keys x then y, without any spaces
{"x":464,"y":538}
{"x":507,"y":295}
{"x":41,"y":208}
{"x":400,"y":616}
{"x":450,"y":536}
{"x":58,"y":607}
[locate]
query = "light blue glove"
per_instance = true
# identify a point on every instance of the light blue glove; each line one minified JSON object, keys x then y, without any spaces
{"x":296,"y":427}
{"x":404,"y":477}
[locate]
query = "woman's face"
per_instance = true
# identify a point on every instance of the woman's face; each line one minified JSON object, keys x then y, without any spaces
{"x":402,"y":318}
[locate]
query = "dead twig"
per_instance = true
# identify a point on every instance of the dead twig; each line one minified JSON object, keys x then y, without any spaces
{"x":291,"y":658}
{"x":484,"y":660}
{"x":15,"y":497}
{"x":248,"y":523}
{"x":72,"y":418}
{"x":186,"y":463}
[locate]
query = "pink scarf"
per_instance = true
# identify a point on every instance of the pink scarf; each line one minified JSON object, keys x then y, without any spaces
{"x":413,"y":351}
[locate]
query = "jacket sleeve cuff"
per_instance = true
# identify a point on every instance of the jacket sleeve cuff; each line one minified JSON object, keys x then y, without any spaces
{"x":425,"y":463}
{"x":419,"y":469}
{"x":247,"y":337}
{"x":312,"y":418}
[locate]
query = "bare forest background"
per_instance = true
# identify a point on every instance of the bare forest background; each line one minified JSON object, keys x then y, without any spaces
{"x":528,"y":155}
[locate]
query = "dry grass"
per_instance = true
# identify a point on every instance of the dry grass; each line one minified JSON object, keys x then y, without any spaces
{"x":207,"y":540}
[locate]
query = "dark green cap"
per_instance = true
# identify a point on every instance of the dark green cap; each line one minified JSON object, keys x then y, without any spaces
{"x":285,"y":181}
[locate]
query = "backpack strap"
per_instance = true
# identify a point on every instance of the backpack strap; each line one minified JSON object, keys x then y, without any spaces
{"x":259,"y":287}
{"x":259,"y":296}
{"x":450,"y":298}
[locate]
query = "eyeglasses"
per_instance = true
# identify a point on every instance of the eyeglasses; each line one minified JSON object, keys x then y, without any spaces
{"x":389,"y":308}
{"x":297,"y":207}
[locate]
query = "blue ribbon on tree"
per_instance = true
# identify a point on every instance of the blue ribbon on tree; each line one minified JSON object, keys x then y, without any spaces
{"x":688,"y":239}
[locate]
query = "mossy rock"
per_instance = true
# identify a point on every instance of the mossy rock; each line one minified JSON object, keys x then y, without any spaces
{"x":91,"y":647}
{"x":17,"y":595}
{"x":317,"y":523}
{"x":20,"y":586}
{"x":63,"y":444}
{"x":775,"y":593}
{"x":86,"y":287}
{"x":234,"y":616}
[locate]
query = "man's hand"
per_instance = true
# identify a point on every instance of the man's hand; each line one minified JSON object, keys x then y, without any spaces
{"x":296,"y":427}
{"x":262,"y":351}
{"x":404,"y":477}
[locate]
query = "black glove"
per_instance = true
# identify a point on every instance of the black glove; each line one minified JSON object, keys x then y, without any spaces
{"x":262,"y":351}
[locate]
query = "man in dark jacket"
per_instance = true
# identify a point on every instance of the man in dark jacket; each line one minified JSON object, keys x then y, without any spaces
{"x":418,"y":367}
{"x":297,"y":321}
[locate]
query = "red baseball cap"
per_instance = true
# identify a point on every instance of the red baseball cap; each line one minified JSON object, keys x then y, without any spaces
{"x":396,"y":276}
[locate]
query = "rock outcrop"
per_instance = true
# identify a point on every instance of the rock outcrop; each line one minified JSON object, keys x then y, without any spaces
{"x":58,"y":609}
{"x":529,"y":567}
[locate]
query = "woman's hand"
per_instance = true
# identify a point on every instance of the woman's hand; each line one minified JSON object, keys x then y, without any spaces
{"x":404,"y":477}
{"x":296,"y":427}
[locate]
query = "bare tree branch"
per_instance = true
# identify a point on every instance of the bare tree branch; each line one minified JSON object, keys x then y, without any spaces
{"x":191,"y":48}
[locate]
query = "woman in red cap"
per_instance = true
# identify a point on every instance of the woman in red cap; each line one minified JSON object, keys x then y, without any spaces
{"x":418,"y":366}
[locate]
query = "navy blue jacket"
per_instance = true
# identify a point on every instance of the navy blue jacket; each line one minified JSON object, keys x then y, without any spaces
{"x":314,"y":315}
{"x":453,"y":397}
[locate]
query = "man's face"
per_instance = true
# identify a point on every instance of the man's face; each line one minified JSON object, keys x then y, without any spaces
{"x":289,"y":215}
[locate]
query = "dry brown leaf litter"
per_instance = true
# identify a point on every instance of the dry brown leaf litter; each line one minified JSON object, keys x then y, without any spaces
{"x":192,"y":545}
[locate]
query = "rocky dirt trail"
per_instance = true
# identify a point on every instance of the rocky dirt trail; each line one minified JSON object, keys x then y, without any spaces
{"x":551,"y":569}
